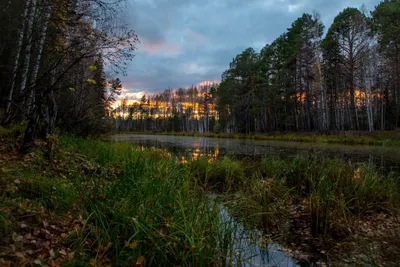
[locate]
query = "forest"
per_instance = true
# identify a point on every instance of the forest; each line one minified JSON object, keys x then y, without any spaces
{"x":74,"y":192}
{"x":60,"y":62}
{"x":345,"y":77}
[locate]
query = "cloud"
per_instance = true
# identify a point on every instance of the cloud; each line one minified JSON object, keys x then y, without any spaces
{"x":195,"y":36}
{"x":185,"y":42}
{"x":294,"y":7}
{"x":132,"y":96}
{"x":160,"y":48}
{"x":194,"y":68}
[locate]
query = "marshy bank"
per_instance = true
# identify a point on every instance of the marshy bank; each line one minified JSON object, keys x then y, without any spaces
{"x":102,"y":204}
{"x":322,"y":210}
{"x":334,"y":204}
{"x":79,"y":202}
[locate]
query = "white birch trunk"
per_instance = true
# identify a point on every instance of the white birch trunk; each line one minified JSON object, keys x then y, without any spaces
{"x":17,"y":56}
{"x":42,"y":40}
{"x":32,"y":15}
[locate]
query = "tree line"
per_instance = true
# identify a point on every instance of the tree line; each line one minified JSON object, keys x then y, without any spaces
{"x":59,"y":62}
{"x":309,"y":79}
{"x":348,"y":79}
{"x":190,"y":109}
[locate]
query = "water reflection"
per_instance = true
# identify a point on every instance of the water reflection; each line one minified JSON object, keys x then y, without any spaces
{"x":191,"y":148}
{"x":199,"y":151}
{"x":248,"y":249}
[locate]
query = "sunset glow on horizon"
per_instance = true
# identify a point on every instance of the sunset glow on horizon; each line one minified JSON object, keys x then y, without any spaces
{"x":135,"y":97}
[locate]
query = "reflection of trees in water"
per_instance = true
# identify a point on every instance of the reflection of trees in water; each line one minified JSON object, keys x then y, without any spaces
{"x":187,"y":149}
{"x":200,"y":149}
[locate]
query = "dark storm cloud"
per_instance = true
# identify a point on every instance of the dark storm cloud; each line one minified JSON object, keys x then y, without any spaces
{"x":184,"y":42}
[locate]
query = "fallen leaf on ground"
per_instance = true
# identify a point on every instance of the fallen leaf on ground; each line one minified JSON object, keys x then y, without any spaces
{"x":92,"y":262}
{"x":62,"y":252}
{"x":19,"y":254}
{"x":140,"y":260}
{"x":52,"y":254}
{"x":133,"y":244}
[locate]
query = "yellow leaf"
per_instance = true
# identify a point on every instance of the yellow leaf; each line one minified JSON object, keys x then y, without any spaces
{"x":133,"y":244}
{"x":92,"y":68}
{"x":91,"y":81}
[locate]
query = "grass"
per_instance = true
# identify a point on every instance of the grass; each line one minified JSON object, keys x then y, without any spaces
{"x":107,"y":204}
{"x":99,"y":203}
{"x":386,"y":138}
{"x":222,"y":175}
{"x":326,"y":202}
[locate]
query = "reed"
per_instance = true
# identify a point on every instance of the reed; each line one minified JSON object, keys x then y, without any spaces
{"x":132,"y":205}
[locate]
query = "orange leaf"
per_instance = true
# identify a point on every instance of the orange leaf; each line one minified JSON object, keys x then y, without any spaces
{"x":140,"y":260}
{"x":56,"y":263}
{"x":23,"y":262}
{"x":92,"y":262}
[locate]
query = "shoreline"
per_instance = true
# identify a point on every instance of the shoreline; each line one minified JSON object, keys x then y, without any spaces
{"x":116,"y":200}
{"x":387,"y":138}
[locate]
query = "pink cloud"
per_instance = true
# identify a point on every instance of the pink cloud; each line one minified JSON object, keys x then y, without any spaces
{"x":160,"y":47}
{"x":195,"y":36}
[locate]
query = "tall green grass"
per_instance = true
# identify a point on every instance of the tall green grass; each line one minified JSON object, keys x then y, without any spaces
{"x":152,"y":209}
{"x":159,"y":206}
{"x":336,"y":191}
{"x":223,"y":174}
{"x":138,"y":203}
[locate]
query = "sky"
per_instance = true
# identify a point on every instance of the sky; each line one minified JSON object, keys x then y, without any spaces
{"x":186,"y":42}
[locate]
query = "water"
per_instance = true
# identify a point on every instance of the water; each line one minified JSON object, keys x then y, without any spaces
{"x":384,"y":158}
{"x":247,"y":247}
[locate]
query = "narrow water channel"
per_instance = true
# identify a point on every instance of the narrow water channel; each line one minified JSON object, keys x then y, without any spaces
{"x":248,"y":249}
